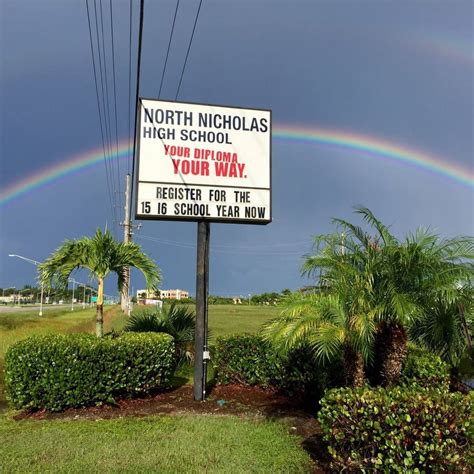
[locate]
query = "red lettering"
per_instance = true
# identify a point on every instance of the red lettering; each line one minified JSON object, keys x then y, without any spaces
{"x":221,"y":169}
{"x":204,"y":168}
{"x":176,"y":165}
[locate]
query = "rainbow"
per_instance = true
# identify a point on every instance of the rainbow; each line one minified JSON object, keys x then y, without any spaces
{"x":355,"y":143}
{"x":69,"y":166}
{"x":377,"y":148}
{"x":454,"y":49}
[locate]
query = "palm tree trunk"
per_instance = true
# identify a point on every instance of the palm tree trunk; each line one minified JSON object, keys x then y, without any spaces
{"x":99,"y":317}
{"x":353,"y":367}
{"x":391,"y":353}
{"x":465,"y":327}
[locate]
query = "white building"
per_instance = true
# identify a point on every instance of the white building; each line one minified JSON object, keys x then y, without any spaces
{"x":162,"y":294}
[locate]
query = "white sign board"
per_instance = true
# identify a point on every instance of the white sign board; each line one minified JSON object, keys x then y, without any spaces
{"x":203,"y":162}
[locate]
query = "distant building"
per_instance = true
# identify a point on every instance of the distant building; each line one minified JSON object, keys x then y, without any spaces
{"x":8,"y":299}
{"x":162,"y":294}
{"x":174,"y":294}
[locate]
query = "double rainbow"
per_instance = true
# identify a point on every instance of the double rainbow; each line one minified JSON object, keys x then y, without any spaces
{"x":355,"y":143}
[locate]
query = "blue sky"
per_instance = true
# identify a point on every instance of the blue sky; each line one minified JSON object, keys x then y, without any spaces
{"x":399,"y":71}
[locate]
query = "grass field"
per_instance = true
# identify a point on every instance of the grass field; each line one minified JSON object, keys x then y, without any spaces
{"x":223,"y":320}
{"x":17,"y":326}
{"x":196,"y":443}
{"x":227,"y":319}
{"x":162,"y":444}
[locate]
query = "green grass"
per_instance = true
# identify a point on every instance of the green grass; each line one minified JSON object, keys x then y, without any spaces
{"x":153,"y":444}
{"x":195,"y":443}
{"x":235,"y":319}
{"x":223,"y":320}
{"x":226,"y":319}
{"x":17,"y":326}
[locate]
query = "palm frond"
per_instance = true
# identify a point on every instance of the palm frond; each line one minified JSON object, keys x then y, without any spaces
{"x":368,"y":216}
{"x":357,"y":231}
{"x":146,"y":321}
{"x":327,"y":341}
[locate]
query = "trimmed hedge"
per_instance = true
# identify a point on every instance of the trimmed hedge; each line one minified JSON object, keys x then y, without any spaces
{"x":424,"y":368}
{"x":245,"y":359}
{"x":248,"y":359}
{"x":405,"y":429}
{"x":62,"y":371}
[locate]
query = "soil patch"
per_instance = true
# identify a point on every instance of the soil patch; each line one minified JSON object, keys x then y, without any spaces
{"x":222,"y":400}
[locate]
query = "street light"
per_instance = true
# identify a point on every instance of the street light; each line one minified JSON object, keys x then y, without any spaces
{"x":72,"y":299}
{"x":9,"y":288}
{"x":34,"y":262}
{"x":19,"y":294}
{"x":84,"y":295}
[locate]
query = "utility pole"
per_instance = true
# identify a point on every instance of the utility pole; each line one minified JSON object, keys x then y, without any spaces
{"x":201,"y":350}
{"x":127,"y":237}
{"x":72,"y":299}
{"x":128,"y":227}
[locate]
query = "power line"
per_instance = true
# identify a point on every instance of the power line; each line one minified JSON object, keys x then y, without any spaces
{"x":98,"y":108}
{"x":115,"y":93}
{"x":129,"y":84}
{"x":107,"y":136}
{"x":226,"y":250}
{"x":139,"y":60}
{"x":168,"y":50}
{"x":106,"y":106}
{"x":116,"y":186}
{"x":189,"y":48}
{"x":253,"y":247}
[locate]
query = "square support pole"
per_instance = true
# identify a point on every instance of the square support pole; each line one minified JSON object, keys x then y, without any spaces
{"x":202,"y":290}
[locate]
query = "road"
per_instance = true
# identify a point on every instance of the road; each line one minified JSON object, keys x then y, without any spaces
{"x":46,"y":307}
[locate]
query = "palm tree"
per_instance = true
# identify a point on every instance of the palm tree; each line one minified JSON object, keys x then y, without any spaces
{"x":329,"y":327}
{"x":381,"y":286}
{"x":398,"y":282}
{"x":100,"y":255}
{"x":446,"y":327}
{"x":179,"y":321}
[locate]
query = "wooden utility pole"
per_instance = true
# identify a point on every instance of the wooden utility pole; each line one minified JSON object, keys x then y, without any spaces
{"x":127,"y":237}
{"x":201,"y":351}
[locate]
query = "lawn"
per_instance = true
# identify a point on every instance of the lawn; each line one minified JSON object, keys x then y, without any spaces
{"x":226,"y":319}
{"x":152,"y":444}
{"x":223,"y":319}
{"x":17,"y":326}
{"x":191,"y":443}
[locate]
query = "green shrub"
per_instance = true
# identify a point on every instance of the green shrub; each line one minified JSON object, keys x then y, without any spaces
{"x":424,"y":368}
{"x":249,"y":360}
{"x":300,"y":374}
{"x":245,"y":359}
{"x":57,"y":372}
{"x":177,"y":321}
{"x":406,"y":429}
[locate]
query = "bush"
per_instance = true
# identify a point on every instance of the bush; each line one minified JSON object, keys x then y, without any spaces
{"x":403,"y":429}
{"x":245,"y":359}
{"x":424,"y":368}
{"x":177,"y":321}
{"x":58,"y":372}
{"x":250,"y":360}
{"x":300,"y":374}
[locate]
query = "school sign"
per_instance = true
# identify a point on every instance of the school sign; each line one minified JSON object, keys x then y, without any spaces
{"x":202,"y":162}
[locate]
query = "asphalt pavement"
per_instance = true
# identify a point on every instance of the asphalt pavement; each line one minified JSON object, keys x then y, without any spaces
{"x":46,"y":307}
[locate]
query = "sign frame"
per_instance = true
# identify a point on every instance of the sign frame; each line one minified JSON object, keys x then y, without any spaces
{"x":216,"y":220}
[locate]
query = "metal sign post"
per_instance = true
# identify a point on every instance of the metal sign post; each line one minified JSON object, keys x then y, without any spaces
{"x":203,"y":163}
{"x":201,"y":353}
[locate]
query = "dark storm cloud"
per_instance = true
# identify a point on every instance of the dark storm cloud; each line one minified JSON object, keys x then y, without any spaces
{"x":394,"y":70}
